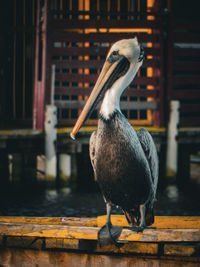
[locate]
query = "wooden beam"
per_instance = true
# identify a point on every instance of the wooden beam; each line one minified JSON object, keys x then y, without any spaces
{"x":75,"y":104}
{"x":87,"y":90}
{"x":101,"y":37}
{"x":70,"y":221}
{"x":90,"y":233}
{"x":79,"y":24}
{"x":161,"y":222}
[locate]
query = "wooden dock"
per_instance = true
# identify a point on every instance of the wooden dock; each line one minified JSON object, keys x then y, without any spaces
{"x":27,"y":241}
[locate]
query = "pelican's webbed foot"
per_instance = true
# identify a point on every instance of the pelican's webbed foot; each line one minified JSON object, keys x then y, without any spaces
{"x":109,"y":234}
{"x":137,"y":229}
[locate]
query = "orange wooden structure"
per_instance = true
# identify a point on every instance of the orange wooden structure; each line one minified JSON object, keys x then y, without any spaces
{"x":75,"y":35}
{"x":78,"y":38}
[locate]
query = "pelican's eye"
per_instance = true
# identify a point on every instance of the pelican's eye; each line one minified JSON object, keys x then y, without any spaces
{"x":115,"y":53}
{"x":114,"y":56}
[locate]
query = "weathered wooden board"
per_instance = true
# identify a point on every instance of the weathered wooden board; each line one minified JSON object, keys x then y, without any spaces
{"x":73,"y":221}
{"x":161,"y":222}
{"x":124,"y":105}
{"x":90,"y":233}
{"x":90,"y":129}
{"x":32,"y":258}
{"x":58,"y":237}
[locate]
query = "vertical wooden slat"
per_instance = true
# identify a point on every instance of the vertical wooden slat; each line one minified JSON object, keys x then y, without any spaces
{"x":118,"y":8}
{"x":70,"y":8}
{"x":60,"y":113}
{"x":24,"y":62}
{"x":40,"y":82}
{"x":150,"y":71}
{"x":14,"y":63}
{"x":162,"y":102}
{"x":139,"y":72}
{"x":44,"y":69}
{"x":108,"y":8}
{"x":36,"y":84}
{"x":169,"y":63}
{"x":139,"y":9}
{"x":61,"y":8}
{"x":98,"y":8}
{"x":33,"y":49}
{"x":129,"y":8}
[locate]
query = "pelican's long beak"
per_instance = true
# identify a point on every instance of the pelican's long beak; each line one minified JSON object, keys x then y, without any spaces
{"x":109,"y":74}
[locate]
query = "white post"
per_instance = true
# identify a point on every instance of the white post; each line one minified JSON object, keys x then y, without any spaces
{"x":172,"y":146}
{"x":64,"y":167}
{"x":50,"y":142}
{"x":51,"y":133}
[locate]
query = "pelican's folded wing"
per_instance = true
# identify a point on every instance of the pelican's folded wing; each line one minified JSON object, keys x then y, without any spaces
{"x":150,"y":151}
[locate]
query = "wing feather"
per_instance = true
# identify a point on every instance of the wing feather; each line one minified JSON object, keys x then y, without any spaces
{"x":92,"y":151}
{"x":150,"y":151}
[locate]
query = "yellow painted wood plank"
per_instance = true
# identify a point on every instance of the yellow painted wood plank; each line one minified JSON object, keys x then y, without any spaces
{"x":73,"y":221}
{"x":180,"y":249}
{"x":189,"y":129}
{"x":90,"y":233}
{"x":161,"y":222}
{"x":61,"y":243}
{"x":20,"y":132}
{"x":89,"y":129}
{"x":130,"y":247}
{"x":83,"y":129}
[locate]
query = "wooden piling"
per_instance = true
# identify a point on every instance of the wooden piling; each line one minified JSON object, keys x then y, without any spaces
{"x":64,"y":168}
{"x":50,"y":143}
{"x":172,"y":145}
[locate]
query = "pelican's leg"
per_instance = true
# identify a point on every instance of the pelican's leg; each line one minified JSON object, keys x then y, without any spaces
{"x":142,"y":224}
{"x":108,"y":211}
{"x":109,"y":234}
{"x":142,"y":216}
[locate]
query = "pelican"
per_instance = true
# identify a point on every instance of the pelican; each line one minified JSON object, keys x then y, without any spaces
{"x":125,"y":163}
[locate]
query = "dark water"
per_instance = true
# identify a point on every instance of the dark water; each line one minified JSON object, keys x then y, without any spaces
{"x":38,"y":201}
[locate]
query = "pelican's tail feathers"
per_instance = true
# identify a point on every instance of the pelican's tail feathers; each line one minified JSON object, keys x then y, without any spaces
{"x":133,"y":216}
{"x":149,"y":218}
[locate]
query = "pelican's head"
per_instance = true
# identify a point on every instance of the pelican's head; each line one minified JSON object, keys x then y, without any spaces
{"x":128,"y":48}
{"x":122,"y":63}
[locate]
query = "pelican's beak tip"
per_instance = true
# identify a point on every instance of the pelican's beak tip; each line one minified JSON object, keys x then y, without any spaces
{"x":72,"y":136}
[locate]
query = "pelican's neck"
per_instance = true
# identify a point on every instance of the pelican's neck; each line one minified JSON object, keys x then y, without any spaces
{"x":110,"y":104}
{"x":111,"y":101}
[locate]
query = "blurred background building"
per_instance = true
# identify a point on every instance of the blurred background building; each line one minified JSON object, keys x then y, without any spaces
{"x":75,"y":36}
